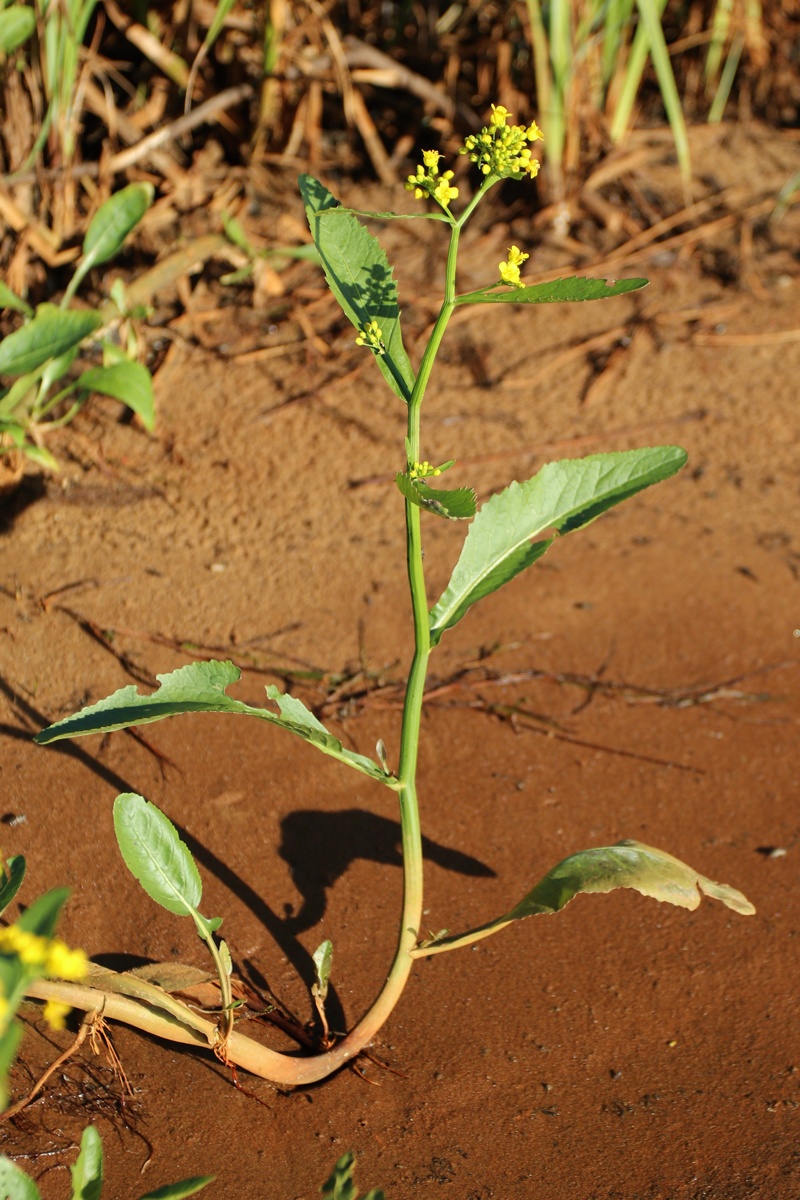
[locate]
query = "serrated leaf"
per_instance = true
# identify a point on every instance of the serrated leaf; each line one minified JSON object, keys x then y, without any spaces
{"x":11,"y":880}
{"x":628,"y":864}
{"x":557,"y":290}
{"x":516,"y":527}
{"x":50,"y":333}
{"x":9,"y":299}
{"x":41,"y":917}
{"x":16,"y":26}
{"x":359,"y":275}
{"x":200,"y":687}
{"x":154,"y":853}
{"x":87,"y":1173}
{"x":14,"y":1183}
{"x":177,"y":1191}
{"x":458,"y":504}
{"x":129,"y":382}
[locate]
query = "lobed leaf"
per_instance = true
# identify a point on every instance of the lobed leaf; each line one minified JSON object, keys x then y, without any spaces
{"x":51,"y":332}
{"x":200,"y":687}
{"x":556,"y":290}
{"x":458,"y":504}
{"x":155,"y":855}
{"x":360,"y":277}
{"x":628,"y":864}
{"x":518,"y":525}
{"x":129,"y":382}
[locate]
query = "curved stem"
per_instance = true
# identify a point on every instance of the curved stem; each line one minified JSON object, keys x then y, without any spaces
{"x":287,"y":1069}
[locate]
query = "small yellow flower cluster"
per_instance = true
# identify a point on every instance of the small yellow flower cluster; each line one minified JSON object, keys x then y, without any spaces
{"x":423,"y":470}
{"x":371,"y":335}
{"x":428,"y":182}
{"x":509,"y":270}
{"x":501,"y":149}
{"x":44,"y":956}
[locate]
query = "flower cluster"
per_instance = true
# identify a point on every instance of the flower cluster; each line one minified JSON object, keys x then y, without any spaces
{"x":43,"y":956}
{"x":509,"y":270}
{"x":428,"y":182}
{"x":371,"y":335}
{"x":423,"y":470}
{"x":501,"y":149}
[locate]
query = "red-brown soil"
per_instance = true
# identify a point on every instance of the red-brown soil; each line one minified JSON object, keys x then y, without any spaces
{"x":620,"y":1050}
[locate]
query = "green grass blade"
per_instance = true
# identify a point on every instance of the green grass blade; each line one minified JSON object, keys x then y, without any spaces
{"x":155,"y":855}
{"x":518,"y":525}
{"x":637,"y":60}
{"x":359,"y":275}
{"x":650,"y":12}
{"x":717,"y":110}
{"x":200,"y":687}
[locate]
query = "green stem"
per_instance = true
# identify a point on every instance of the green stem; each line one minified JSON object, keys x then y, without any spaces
{"x":243,"y":1051}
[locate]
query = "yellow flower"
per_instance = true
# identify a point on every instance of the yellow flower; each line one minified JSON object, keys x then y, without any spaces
{"x":63,"y":963}
{"x":426,"y":180}
{"x":370,"y":336}
{"x":56,"y":1013}
{"x":509,"y":270}
{"x":43,"y":956}
{"x":501,"y":149}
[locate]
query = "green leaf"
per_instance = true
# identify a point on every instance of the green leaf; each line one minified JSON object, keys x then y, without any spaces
{"x":113,"y":221}
{"x":9,"y":1045}
{"x":456,"y":505}
{"x":12,"y":880}
{"x":557,"y":290}
{"x":323,"y":960}
{"x":129,"y":382}
{"x":14,"y":1183}
{"x":628,"y":864}
{"x":39,"y":455}
{"x":177,"y":1191}
{"x":49,"y":334}
{"x":41,"y":917}
{"x":359,"y":275}
{"x":21,"y":392}
{"x":87,"y":1174}
{"x":109,"y":228}
{"x":16,"y":26}
{"x":200,"y":687}
{"x":156,"y":856}
{"x":515,"y":527}
{"x":9,"y":299}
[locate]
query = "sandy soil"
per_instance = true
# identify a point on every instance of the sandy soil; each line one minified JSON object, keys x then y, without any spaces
{"x":620,"y":1050}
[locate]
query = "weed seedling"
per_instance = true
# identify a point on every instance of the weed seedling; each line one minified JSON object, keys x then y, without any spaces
{"x":41,"y":352}
{"x":508,"y":533}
